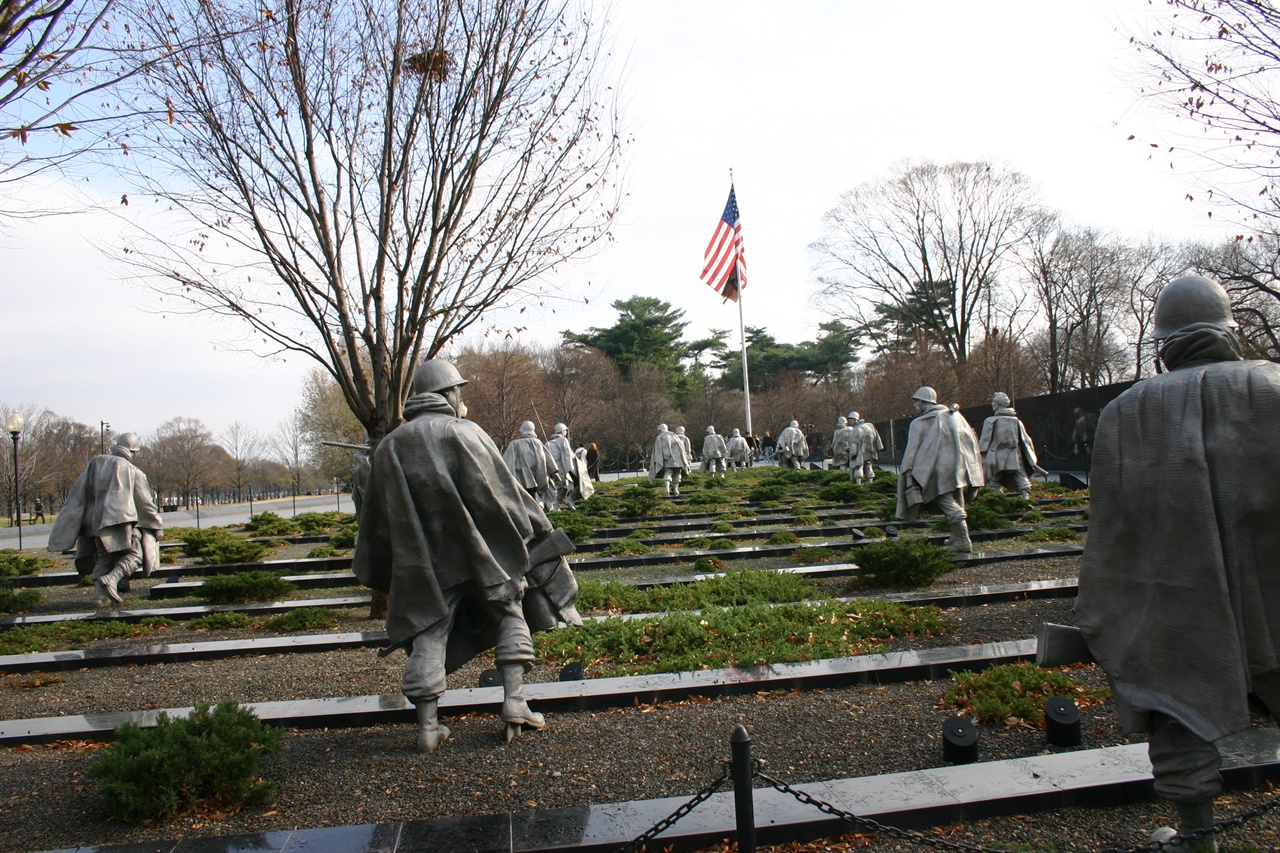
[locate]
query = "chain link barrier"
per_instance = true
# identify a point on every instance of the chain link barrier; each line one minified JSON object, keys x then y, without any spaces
{"x":912,"y":836}
{"x":671,"y":819}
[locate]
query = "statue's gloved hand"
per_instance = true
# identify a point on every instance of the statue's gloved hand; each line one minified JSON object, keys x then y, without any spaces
{"x":512,"y":590}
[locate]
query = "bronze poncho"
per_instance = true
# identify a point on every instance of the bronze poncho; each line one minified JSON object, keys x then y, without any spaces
{"x":1180,"y":584}
{"x":442,"y":509}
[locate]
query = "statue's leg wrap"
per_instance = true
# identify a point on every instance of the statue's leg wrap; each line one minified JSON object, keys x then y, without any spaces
{"x":952,"y":506}
{"x":514,"y":656}
{"x":424,"y":681}
{"x":1185,"y":766}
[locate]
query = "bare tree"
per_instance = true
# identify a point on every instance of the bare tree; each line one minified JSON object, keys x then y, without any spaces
{"x":922,"y":248}
{"x":244,"y":446}
{"x":179,"y":457}
{"x":326,"y":417}
{"x":1076,"y":277}
{"x":288,"y":447}
{"x":362,"y":182}
{"x":505,"y":389}
{"x":1250,"y":271}
{"x":1215,"y":64}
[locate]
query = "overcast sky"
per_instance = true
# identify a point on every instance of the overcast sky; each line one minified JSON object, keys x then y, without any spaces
{"x":802,"y":100}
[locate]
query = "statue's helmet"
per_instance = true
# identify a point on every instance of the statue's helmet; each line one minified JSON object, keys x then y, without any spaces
{"x":662,"y":427}
{"x":925,"y":394}
{"x":795,"y":424}
{"x":679,"y":430}
{"x":736,"y":433}
{"x":129,"y":441}
{"x":436,"y":375}
{"x":1000,"y":399}
{"x":560,"y":429}
{"x":1191,"y":299}
{"x":710,"y":430}
{"x":842,"y":421}
{"x":854,"y":416}
{"x":527,"y":428}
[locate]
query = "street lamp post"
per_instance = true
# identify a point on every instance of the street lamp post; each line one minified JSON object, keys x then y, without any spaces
{"x":103,"y":426}
{"x":336,"y":496}
{"x":15,"y":424}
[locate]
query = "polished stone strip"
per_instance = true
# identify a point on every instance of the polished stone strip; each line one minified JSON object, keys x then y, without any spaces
{"x":261,"y":609}
{"x":589,"y":694}
{"x":179,"y":652}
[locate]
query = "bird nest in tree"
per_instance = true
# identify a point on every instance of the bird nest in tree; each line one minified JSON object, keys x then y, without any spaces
{"x":430,"y":63}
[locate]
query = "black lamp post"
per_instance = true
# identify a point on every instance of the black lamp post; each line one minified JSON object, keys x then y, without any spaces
{"x":103,"y":426}
{"x":15,"y":424}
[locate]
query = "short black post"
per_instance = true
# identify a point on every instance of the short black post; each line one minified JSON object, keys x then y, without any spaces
{"x":741,"y":772}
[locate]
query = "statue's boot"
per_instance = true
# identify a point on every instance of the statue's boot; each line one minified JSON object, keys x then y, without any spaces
{"x":430,"y":733}
{"x":1191,"y":816}
{"x":959,"y":541}
{"x":107,"y":584}
{"x":515,"y":710}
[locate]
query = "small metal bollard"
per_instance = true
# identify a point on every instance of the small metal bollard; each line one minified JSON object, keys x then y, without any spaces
{"x":1062,"y":722}
{"x":959,"y":741}
{"x":741,"y":771}
{"x":572,"y":671}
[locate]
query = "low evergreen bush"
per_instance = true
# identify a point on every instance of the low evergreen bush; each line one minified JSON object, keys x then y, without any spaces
{"x":873,"y":533}
{"x":885,"y":483}
{"x":749,"y":635}
{"x":243,"y":587}
{"x":1032,"y":516}
{"x":270,"y":524}
{"x":598,"y":504}
{"x":983,"y":517}
{"x":783,"y":537}
{"x":56,"y":637}
{"x":1050,"y":534}
{"x":722,"y":544}
{"x":1002,"y":503}
{"x":18,"y":602}
{"x":842,"y":491}
{"x":805,"y":519}
{"x":221,"y":621}
{"x":709,"y":498}
{"x":642,"y":533}
{"x":344,"y":537}
{"x":576,"y":526}
{"x":639,"y":500}
{"x":315,"y":523}
{"x":899,"y":564}
{"x":767,"y":492}
{"x":698,"y":543}
{"x":708,"y":565}
{"x":220,"y":546}
{"x":302,"y":619}
{"x":14,"y":563}
{"x":322,"y":552}
{"x":721,"y":527}
{"x":624,"y":548}
{"x":1015,"y":692}
{"x":210,"y":758}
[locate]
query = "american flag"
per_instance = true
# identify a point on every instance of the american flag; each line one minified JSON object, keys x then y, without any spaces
{"x":726,"y":263}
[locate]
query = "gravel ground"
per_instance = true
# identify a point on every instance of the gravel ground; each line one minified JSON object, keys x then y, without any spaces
{"x":373,"y":774}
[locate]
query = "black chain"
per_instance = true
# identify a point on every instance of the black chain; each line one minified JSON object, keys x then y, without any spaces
{"x":671,"y":819}
{"x":913,"y":837}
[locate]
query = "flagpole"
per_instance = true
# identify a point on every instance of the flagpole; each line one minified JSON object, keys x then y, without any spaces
{"x":746,"y":385}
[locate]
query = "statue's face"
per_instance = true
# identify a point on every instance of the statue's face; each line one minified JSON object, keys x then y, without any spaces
{"x":453,"y":396}
{"x":917,"y":406}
